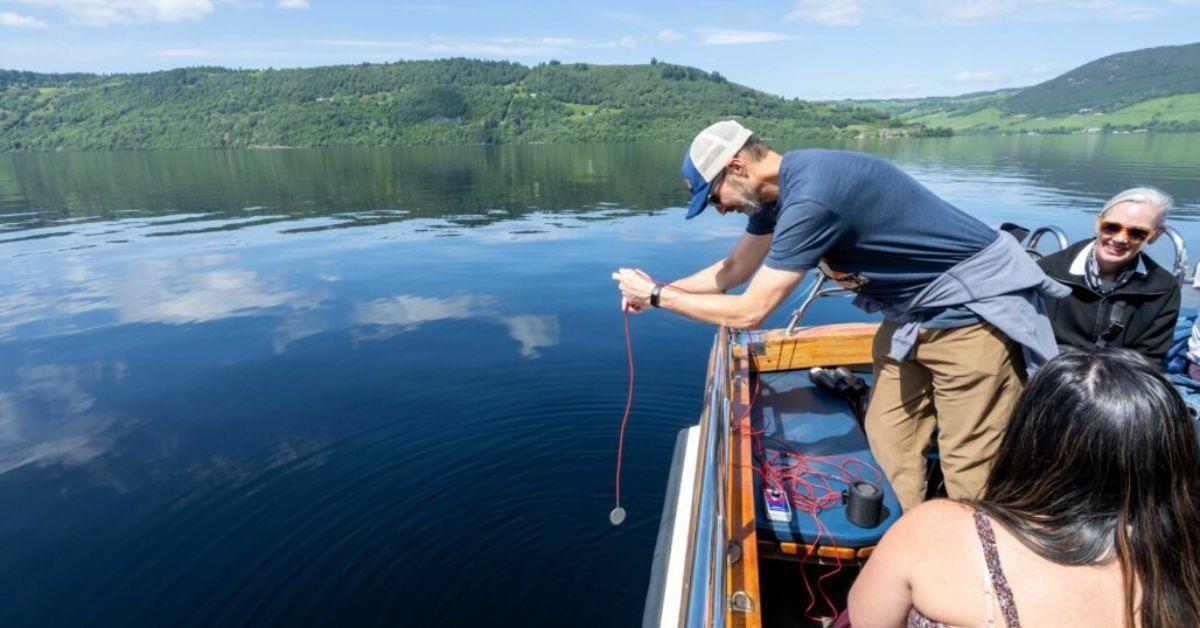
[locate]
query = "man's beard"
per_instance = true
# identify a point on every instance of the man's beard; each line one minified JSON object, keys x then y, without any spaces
{"x":747,"y":201}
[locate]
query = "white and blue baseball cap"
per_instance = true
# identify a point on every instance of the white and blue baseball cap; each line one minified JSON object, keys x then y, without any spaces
{"x":706,"y":158}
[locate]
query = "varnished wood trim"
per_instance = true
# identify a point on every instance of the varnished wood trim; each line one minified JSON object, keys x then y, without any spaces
{"x":743,"y":575}
{"x":821,"y":554}
{"x":826,"y":345}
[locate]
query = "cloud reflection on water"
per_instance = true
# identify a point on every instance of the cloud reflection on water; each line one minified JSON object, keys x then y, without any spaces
{"x":49,"y":417}
{"x":533,"y":332}
{"x":409,"y":312}
{"x":198,"y":289}
{"x":162,"y":292}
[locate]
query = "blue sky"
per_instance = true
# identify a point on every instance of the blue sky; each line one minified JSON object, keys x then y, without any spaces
{"x":815,"y":49}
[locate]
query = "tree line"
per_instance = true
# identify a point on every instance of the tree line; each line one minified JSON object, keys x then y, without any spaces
{"x":452,"y":101}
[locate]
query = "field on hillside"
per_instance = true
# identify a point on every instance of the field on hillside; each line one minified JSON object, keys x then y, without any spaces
{"x":1172,"y":113}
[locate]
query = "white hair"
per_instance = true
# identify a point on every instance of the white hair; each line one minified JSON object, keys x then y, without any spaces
{"x":1143,"y":195}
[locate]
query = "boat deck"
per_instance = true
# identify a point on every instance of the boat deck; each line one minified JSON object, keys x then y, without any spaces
{"x":792,"y":415}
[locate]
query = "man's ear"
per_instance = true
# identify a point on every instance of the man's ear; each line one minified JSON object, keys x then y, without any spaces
{"x":737,"y":166}
{"x":1154,"y":236}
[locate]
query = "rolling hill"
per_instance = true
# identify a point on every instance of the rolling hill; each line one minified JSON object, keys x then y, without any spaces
{"x":453,"y":101}
{"x":1114,"y":82}
{"x":1154,"y":89}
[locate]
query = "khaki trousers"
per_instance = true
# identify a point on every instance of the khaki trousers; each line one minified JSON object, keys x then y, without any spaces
{"x":966,"y":382}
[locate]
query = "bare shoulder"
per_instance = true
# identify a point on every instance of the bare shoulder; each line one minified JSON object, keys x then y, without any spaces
{"x":917,"y":555}
{"x":930,"y":521}
{"x":928,"y":533}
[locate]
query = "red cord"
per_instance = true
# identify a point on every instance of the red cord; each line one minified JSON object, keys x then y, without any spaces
{"x":812,"y":481}
{"x":629,"y":397}
{"x":628,"y":405}
{"x":810,"y":478}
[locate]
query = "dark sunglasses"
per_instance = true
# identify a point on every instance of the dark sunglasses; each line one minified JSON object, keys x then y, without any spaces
{"x":713,"y":199}
{"x":1135,"y":234}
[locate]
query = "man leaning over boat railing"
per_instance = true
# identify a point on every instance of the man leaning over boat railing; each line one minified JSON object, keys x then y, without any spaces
{"x":962,"y":355}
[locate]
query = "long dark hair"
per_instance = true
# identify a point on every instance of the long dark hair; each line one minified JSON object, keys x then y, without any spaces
{"x":1101,"y":462}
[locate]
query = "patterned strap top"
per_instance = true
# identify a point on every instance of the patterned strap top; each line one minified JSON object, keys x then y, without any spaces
{"x":994,"y":583}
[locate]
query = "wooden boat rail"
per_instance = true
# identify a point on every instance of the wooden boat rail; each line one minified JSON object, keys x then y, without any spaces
{"x":704,"y":601}
{"x":722,"y":580}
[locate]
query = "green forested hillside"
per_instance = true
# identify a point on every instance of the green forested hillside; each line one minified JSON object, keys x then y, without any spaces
{"x":1114,"y":82}
{"x":965,"y":104}
{"x":1155,"y":89}
{"x":414,"y":102}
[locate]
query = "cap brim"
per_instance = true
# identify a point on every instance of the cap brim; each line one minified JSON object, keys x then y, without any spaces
{"x":699,"y":202}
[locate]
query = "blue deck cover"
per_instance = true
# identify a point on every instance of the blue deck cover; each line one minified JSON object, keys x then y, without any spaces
{"x":795,"y":415}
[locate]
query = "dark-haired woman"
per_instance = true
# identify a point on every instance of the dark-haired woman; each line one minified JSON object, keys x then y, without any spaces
{"x":1090,"y":516}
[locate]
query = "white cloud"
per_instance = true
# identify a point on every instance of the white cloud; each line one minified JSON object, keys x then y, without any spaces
{"x":15,"y":20}
{"x":1043,"y":69}
{"x":627,"y":43}
{"x":493,"y":46}
{"x":503,"y":46}
{"x":970,"y":77}
{"x":1041,"y":11}
{"x":186,"y":53}
{"x":110,"y":12}
{"x":1116,"y":10}
{"x":969,"y":10}
{"x":828,"y":12}
{"x":669,"y":34}
{"x":728,"y":37}
{"x":292,"y":4}
{"x":360,"y":43}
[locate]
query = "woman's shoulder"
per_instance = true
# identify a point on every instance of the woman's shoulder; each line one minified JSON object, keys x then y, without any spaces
{"x":938,"y":513}
{"x":932,"y":525}
{"x":1058,"y":263}
{"x":932,"y":555}
{"x":1159,"y":278}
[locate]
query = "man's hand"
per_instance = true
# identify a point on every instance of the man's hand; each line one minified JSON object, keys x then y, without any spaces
{"x":635,"y":287}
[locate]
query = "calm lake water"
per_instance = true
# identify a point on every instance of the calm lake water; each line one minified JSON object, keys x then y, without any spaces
{"x":383,"y":386}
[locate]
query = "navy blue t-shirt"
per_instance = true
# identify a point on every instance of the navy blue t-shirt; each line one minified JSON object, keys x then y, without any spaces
{"x":875,"y":227}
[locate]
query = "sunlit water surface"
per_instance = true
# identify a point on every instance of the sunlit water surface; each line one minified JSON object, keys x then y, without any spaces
{"x":383,"y":386}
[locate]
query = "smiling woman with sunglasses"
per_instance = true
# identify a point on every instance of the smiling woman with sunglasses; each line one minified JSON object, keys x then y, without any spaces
{"x":1119,"y":296}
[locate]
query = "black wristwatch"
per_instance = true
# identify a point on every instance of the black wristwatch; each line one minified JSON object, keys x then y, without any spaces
{"x":654,"y":294}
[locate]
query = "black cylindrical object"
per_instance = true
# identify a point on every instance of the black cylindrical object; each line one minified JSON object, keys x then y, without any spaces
{"x":864,"y":504}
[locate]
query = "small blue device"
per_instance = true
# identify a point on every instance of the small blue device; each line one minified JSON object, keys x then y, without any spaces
{"x":778,"y":508}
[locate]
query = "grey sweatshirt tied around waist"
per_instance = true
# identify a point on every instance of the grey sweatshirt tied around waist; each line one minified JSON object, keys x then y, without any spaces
{"x":1001,"y":284}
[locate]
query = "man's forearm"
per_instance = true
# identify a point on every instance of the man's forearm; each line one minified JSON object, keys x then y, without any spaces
{"x":715,"y":279}
{"x":730,"y":310}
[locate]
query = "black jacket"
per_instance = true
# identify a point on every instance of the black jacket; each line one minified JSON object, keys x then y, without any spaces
{"x":1082,"y":317}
